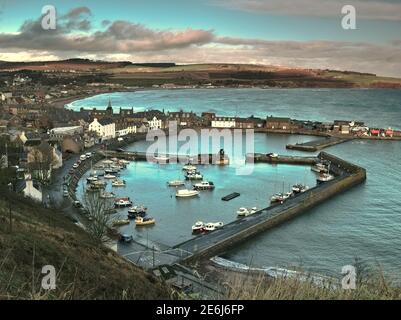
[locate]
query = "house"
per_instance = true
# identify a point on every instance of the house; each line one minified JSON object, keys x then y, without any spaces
{"x":389,"y":132}
{"x":183,"y":119}
{"x":153,"y":119}
{"x":375,"y":132}
{"x":249,"y":123}
{"x":60,"y":133}
{"x":223,"y":122}
{"x":31,"y":189}
{"x":42,"y":159}
{"x":98,"y":114}
{"x":72,"y":144}
{"x":105,"y":128}
{"x":277,"y":123}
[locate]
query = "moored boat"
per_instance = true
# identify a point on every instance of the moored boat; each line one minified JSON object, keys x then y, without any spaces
{"x":198,"y":227}
{"x":122,"y":202}
{"x":299,"y":188}
{"x":211,"y":226}
{"x":193,"y":176}
{"x":176,"y":183}
{"x":141,"y":221}
{"x":204,"y":185}
{"x":319,"y":167}
{"x":118,"y":183}
{"x":107,"y":195}
{"x":185,"y":193}
{"x":120,"y":222}
{"x":189,"y":167}
{"x":109,"y":176}
{"x":324,"y":177}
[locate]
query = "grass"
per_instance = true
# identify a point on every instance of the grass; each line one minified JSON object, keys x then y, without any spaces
{"x":84,"y":269}
{"x":251,"y":287}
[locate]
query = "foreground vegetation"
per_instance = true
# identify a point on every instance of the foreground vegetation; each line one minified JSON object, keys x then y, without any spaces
{"x":38,"y":237}
{"x":369,"y":287}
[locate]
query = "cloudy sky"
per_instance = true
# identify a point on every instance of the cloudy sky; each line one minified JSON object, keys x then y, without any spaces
{"x":304,"y":33}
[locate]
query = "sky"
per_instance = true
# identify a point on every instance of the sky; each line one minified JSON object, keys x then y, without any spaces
{"x":294,"y":33}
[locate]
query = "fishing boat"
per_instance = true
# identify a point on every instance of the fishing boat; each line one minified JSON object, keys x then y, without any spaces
{"x":189,"y":167}
{"x":141,"y":221}
{"x":122,"y":202}
{"x":120,"y":222}
{"x":193,"y":176}
{"x":185,"y":193}
{"x":299,"y":188}
{"x":109,"y":176}
{"x":118,"y":183}
{"x":198,"y":227}
{"x":204,"y":185}
{"x":134,"y":214}
{"x":324,"y":177}
{"x":211,"y":226}
{"x":176,"y":183}
{"x":107,"y":195}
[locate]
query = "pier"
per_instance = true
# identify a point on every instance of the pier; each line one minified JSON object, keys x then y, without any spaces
{"x":316,"y":145}
{"x":347,"y":175}
{"x":269,"y":158}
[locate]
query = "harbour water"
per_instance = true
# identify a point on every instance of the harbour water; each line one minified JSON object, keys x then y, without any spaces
{"x":363,"y":223}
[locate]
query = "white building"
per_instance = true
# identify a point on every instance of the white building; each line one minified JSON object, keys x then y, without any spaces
{"x":155,"y":123}
{"x":105,"y":128}
{"x":223,"y":122}
{"x":30,"y":190}
{"x":65,"y":131}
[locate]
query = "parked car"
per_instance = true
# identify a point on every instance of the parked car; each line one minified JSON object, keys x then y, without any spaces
{"x":71,"y":171}
{"x":82,"y":157}
{"x":88,"y":155}
{"x":125,"y":238}
{"x":65,"y":193}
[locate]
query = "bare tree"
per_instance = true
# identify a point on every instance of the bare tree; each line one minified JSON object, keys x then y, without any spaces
{"x":40,"y":164}
{"x":99,"y":210}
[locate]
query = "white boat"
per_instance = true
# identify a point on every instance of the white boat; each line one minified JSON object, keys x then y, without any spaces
{"x":137,"y":209}
{"x":91,"y":179}
{"x":198,"y":227}
{"x":244,"y":212}
{"x":324,"y":177}
{"x":122,"y":202}
{"x":211,"y":226}
{"x":109,"y":176}
{"x":161,"y":158}
{"x":193,"y":176}
{"x":176,"y":183}
{"x":185,"y":193}
{"x":319,"y":167}
{"x":204,"y":185}
{"x":299,"y":188}
{"x":280,"y":197}
{"x":189,"y":167}
{"x":107,"y":195}
{"x":118,"y":183}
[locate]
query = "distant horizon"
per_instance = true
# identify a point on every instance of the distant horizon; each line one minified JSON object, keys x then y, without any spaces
{"x":308,"y":34}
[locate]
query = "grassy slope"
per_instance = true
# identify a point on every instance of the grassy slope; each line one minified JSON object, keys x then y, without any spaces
{"x":85,"y":271}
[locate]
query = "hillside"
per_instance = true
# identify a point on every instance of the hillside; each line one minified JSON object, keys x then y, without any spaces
{"x":148,"y":74}
{"x":84,"y":271}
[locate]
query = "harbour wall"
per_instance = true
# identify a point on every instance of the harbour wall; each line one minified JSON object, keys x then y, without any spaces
{"x":350,"y":177}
